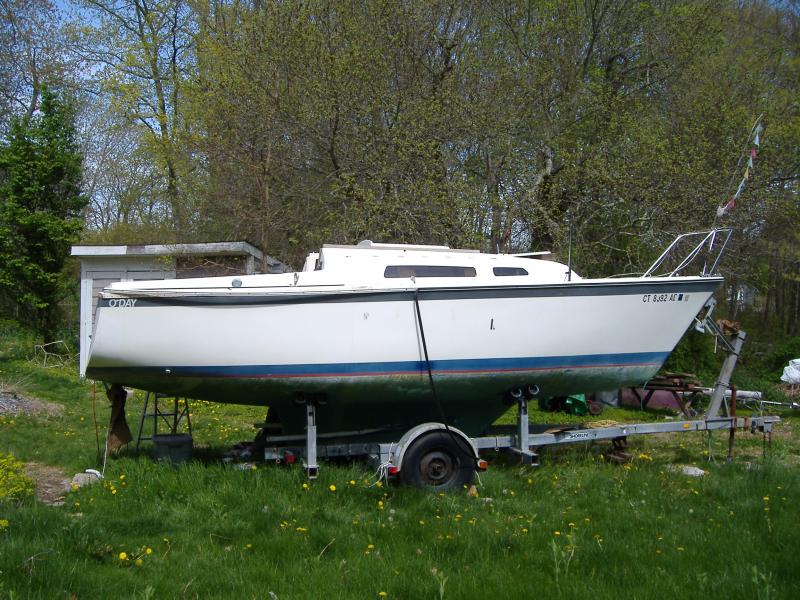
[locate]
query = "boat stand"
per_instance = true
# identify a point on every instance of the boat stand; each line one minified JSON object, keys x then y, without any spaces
{"x":733,"y":347}
{"x":523,"y":445}
{"x":310,"y":463}
{"x":165,"y":410}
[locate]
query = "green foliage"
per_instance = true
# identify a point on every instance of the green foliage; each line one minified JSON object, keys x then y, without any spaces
{"x":122,"y":233}
{"x":40,"y":204}
{"x":695,"y":353}
{"x":782,"y":353}
{"x":16,"y":340}
{"x":779,"y":356}
{"x":15,"y":486}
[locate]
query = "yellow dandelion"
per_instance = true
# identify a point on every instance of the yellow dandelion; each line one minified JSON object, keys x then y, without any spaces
{"x":421,"y":522}
{"x":379,"y":484}
{"x":370,"y":546}
{"x":306,"y":486}
{"x":122,"y":477}
{"x":148,"y":550}
{"x":382,"y":594}
{"x":332,"y":487}
{"x":352,"y":482}
{"x":123,"y":556}
{"x":556,"y":533}
{"x":138,"y":562}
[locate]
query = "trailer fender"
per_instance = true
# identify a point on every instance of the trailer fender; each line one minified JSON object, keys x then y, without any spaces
{"x":410,"y":436}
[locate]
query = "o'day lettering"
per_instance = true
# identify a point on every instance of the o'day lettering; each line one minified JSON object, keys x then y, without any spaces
{"x":122,"y":302}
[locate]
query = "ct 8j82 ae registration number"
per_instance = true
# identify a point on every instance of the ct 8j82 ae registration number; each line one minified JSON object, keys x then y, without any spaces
{"x":658,"y":298}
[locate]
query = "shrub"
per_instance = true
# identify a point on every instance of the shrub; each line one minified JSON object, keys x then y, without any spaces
{"x":16,"y":341}
{"x":15,"y":486}
{"x":780,"y":355}
{"x":695,"y":354}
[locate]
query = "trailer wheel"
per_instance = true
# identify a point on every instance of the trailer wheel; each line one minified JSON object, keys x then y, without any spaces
{"x":439,"y":460}
{"x":595,"y":408}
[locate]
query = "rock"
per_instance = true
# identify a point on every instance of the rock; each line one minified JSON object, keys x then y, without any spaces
{"x":688,"y":470}
{"x":244,"y":466}
{"x":82,"y":479}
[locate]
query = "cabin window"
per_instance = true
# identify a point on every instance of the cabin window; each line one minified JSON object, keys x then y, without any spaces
{"x":509,"y":271}
{"x":400,"y":271}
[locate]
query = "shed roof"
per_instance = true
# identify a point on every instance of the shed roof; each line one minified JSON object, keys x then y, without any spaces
{"x":205,"y":249}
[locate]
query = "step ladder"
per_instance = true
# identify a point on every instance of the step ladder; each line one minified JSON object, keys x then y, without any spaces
{"x":165,"y":411}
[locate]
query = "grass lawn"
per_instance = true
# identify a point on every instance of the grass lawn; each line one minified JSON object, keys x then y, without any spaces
{"x":575,"y":527}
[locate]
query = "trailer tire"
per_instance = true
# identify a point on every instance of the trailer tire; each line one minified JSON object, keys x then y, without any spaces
{"x":438,"y":460}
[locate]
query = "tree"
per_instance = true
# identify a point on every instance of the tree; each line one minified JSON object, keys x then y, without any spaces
{"x":326,"y":122}
{"x":139,"y":51}
{"x":119,"y":175}
{"x":31,"y":53}
{"x":40,"y":206}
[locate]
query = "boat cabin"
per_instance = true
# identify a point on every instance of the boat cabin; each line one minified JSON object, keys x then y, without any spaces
{"x":404,"y":261}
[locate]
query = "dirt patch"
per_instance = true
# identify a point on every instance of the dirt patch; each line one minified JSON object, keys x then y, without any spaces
{"x":14,"y":405}
{"x":52,"y":484}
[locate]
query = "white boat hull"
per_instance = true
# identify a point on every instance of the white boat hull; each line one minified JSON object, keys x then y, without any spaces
{"x":361,"y":352}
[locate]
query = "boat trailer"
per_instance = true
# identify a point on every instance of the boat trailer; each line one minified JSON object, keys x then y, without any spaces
{"x":435,"y":454}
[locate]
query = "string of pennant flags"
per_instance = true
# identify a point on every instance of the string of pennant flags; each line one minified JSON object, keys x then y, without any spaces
{"x":754,"y":143}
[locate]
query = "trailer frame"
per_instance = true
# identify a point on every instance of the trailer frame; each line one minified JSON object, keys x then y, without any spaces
{"x":521,"y":439}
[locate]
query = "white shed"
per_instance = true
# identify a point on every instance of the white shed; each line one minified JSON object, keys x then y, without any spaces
{"x":102,"y":265}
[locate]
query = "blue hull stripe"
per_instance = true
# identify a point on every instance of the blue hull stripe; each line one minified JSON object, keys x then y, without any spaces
{"x":440,"y":367}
